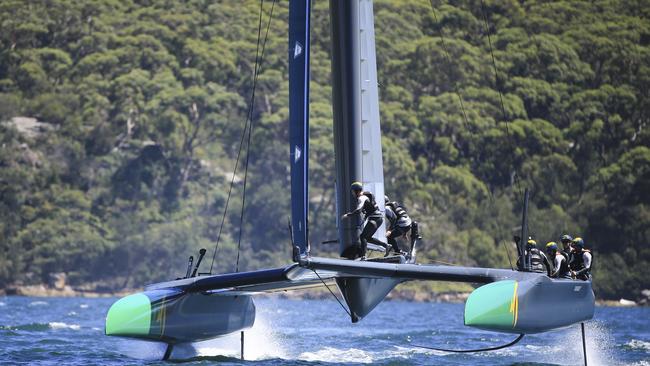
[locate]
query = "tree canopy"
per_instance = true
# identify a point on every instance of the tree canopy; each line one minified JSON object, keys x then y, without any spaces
{"x":120,"y":125}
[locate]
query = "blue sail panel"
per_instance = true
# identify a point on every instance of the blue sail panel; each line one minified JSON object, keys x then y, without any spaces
{"x":299,"y":11}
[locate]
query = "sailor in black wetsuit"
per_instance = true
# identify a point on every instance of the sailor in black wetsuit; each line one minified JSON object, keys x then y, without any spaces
{"x":560,"y":265}
{"x":367,"y":206}
{"x":538,"y":260}
{"x":581,"y":260}
{"x":399,"y":224}
{"x":566,"y":247}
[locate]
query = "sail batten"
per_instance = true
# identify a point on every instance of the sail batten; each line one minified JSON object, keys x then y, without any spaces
{"x":299,"y":16}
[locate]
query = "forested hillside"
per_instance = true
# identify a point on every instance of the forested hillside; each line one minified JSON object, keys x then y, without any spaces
{"x":121,"y":122}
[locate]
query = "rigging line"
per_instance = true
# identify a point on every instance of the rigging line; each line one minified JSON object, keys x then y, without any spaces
{"x":449,"y":63}
{"x":496,"y":84}
{"x":250,"y":128}
{"x":442,"y":262}
{"x":466,"y":120}
{"x":474,"y":350}
{"x":500,"y":228}
{"x":336,"y":297}
{"x":503,"y":109}
{"x":241,"y":144}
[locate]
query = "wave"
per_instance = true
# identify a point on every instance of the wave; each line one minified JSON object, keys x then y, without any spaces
{"x":61,"y":325}
{"x":40,"y":327}
{"x":641,"y":363}
{"x":3,"y":303}
{"x":637,"y":344}
{"x":38,"y":303}
{"x":331,"y":354}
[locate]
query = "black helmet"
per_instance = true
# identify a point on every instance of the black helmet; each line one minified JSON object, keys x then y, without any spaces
{"x":566,"y":238}
{"x":356,"y":186}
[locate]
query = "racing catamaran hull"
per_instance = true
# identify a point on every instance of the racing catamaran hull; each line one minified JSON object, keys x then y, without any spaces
{"x":174,"y":316}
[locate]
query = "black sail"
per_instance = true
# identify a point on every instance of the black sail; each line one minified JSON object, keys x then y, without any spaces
{"x":299,"y":11}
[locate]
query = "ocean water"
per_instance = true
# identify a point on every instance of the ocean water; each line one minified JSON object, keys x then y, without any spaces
{"x":70,"y":331}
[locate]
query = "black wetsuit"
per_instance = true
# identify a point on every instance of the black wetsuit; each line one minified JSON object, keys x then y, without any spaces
{"x":561,"y":269}
{"x":367,"y":205}
{"x":399,"y":223}
{"x":578,"y":265}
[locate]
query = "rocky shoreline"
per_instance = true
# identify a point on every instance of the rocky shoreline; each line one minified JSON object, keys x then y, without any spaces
{"x":65,"y":291}
{"x":58,"y":287}
{"x":312,"y":294}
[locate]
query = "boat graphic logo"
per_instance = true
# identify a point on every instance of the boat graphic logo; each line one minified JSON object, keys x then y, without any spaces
{"x":296,"y":154}
{"x":297,"y":50}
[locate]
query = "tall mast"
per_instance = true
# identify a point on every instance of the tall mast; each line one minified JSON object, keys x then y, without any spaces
{"x":299,"y":11}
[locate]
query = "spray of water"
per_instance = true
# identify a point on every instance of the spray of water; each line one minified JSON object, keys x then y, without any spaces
{"x":567,"y":347}
{"x":260,"y":343}
{"x":142,"y":350}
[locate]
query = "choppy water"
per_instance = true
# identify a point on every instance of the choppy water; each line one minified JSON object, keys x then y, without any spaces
{"x":69,"y":331}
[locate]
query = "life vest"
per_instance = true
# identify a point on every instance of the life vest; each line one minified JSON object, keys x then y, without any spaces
{"x":400,"y":212}
{"x":578,"y":261}
{"x":537,"y":261}
{"x":370,"y":207}
{"x":402,"y":217}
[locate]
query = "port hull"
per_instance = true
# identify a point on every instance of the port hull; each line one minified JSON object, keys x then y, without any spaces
{"x":174,"y":316}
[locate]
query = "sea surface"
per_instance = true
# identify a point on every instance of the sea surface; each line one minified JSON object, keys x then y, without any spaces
{"x":70,"y":331}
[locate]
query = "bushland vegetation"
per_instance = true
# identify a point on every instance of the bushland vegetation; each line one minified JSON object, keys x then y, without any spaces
{"x":121,"y":123}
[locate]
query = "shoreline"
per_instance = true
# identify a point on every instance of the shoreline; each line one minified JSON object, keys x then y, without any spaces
{"x":455,"y":297}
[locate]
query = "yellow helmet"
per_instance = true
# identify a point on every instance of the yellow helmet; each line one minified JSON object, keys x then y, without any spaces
{"x":551,"y":246}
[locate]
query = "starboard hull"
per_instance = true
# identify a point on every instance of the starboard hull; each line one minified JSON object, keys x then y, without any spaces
{"x":534,"y":305}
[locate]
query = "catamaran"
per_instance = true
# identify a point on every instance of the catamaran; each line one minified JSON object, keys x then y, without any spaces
{"x":200,"y":307}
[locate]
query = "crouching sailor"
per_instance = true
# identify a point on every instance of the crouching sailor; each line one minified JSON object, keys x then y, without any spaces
{"x":367,"y":206}
{"x":581,"y":260}
{"x":399,"y":224}
{"x":560,"y":265}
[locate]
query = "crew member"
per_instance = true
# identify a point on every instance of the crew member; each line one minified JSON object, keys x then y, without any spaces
{"x":538,"y":260}
{"x":566,"y":247}
{"x":560,"y":265}
{"x":399,"y":224}
{"x":581,"y":260}
{"x":367,"y":206}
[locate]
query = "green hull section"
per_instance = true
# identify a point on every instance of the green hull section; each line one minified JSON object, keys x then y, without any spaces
{"x":129,"y":316}
{"x":493,"y":306}
{"x":532,"y":305}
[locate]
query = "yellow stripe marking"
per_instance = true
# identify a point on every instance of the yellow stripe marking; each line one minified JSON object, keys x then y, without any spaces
{"x":161,"y":317}
{"x":514,"y":306}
